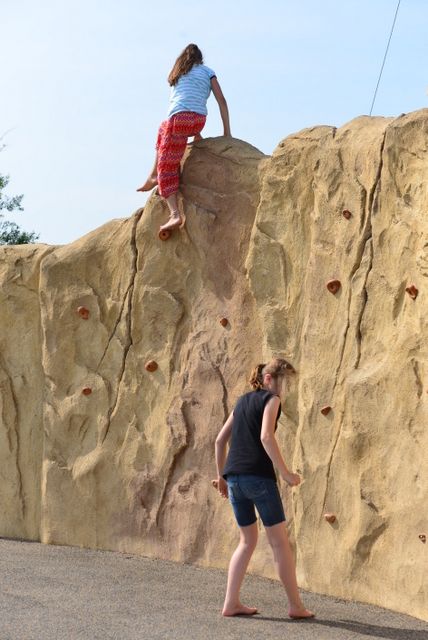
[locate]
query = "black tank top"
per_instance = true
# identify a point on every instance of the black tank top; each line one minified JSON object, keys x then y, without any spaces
{"x":246,"y":451}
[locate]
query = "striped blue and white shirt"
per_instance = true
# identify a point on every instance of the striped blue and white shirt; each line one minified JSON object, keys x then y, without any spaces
{"x":191,"y":91}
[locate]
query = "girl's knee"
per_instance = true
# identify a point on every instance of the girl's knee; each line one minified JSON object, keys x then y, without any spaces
{"x":248,"y":545}
{"x":249,"y":536}
{"x":277,"y":535}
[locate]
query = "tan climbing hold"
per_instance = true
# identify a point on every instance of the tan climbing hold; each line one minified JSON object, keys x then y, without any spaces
{"x":224,"y":322}
{"x":333,"y":286}
{"x":412,"y":291}
{"x":422,"y":537}
{"x":151,"y":366}
{"x":330,"y":517}
{"x":346,"y":214}
{"x":214,"y":484}
{"x":326,"y":410}
{"x":87,"y":391}
{"x":83,"y":312}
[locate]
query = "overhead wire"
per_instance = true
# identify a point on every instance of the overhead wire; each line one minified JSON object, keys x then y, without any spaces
{"x":385,"y":56}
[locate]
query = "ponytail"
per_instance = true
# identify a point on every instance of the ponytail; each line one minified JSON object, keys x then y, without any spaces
{"x":256,"y":379}
{"x":276,"y":367}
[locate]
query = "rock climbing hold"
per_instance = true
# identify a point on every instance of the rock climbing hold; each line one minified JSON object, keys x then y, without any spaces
{"x":164,"y":234}
{"x":346,"y":214}
{"x":214,"y":484}
{"x":412,"y":291}
{"x":326,"y":410}
{"x":83,"y":312}
{"x":87,"y":391}
{"x":422,"y":537}
{"x":151,"y":366}
{"x":330,"y":517}
{"x":224,"y":322}
{"x":333,"y":286}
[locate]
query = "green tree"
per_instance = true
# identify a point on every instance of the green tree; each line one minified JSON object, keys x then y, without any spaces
{"x":10,"y":232}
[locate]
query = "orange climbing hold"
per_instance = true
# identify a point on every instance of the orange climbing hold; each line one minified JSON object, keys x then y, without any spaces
{"x":87,"y":391}
{"x":83,"y":312}
{"x":326,"y":410}
{"x":164,"y":234}
{"x":412,"y":291}
{"x":330,"y":517}
{"x":346,"y":214}
{"x":333,"y":286}
{"x":151,"y":366}
{"x":422,"y":537}
{"x":224,"y":322}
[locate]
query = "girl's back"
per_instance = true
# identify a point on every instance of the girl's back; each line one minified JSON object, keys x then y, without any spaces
{"x":246,"y":453}
{"x":191,"y":91}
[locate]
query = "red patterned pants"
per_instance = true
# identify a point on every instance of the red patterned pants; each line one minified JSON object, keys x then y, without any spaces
{"x":171,"y":145}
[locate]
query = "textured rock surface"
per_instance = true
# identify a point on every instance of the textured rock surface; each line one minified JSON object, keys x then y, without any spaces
{"x":128,"y":466}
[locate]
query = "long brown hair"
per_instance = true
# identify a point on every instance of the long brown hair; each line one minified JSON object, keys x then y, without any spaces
{"x":277,"y":367}
{"x":190,"y":56}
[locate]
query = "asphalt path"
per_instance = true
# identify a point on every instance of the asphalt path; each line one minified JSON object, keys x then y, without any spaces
{"x":52,"y":592}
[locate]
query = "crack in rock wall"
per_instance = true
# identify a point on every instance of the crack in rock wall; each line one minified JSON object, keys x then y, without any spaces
{"x":99,"y":452}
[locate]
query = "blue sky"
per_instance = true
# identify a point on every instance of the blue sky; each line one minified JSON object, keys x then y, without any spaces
{"x":83,"y":87}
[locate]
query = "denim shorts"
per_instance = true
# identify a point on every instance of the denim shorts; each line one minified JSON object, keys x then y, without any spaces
{"x":249,"y":491}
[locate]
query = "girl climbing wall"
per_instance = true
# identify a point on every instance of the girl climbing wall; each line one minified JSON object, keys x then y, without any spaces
{"x":191,"y":84}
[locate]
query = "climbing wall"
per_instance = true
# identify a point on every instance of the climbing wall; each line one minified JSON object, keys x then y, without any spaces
{"x":122,"y":355}
{"x":141,"y":371}
{"x":342,"y":224}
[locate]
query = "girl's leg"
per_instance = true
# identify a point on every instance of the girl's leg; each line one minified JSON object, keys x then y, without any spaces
{"x":237,"y":568}
{"x":152,"y":180}
{"x":175,"y":218}
{"x":171,"y":151}
{"x":284,"y":561}
{"x":172,"y":142}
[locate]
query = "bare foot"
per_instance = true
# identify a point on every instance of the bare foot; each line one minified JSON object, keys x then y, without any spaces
{"x":149,"y":184}
{"x":300,"y":614}
{"x":175,"y":221}
{"x":239,"y":610}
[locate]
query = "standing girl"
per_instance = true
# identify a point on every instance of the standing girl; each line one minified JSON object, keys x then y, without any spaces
{"x":191,"y":84}
{"x":248,"y":478}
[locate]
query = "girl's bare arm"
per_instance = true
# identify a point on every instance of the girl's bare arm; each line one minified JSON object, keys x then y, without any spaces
{"x":224,"y":111}
{"x":270,"y":444}
{"x":220,"y":453}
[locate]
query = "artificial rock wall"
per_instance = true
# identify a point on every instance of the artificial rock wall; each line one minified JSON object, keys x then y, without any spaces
{"x":97,"y":451}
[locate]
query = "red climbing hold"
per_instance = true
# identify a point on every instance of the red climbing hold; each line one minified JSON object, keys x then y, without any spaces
{"x":83,"y":312}
{"x":224,"y":322}
{"x":151,"y":366}
{"x":330,"y":517}
{"x":333,"y":286}
{"x":325,"y":410}
{"x":422,"y":537}
{"x":87,"y":391}
{"x":412,"y":291}
{"x":346,"y":214}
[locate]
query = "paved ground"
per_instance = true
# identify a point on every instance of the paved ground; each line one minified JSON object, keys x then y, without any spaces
{"x":66,"y":593}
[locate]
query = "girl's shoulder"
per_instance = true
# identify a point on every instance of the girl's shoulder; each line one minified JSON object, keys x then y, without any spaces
{"x":244,"y":398}
{"x":202,"y":68}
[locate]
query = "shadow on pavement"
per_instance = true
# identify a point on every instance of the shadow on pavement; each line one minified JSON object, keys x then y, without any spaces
{"x":391,"y":633}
